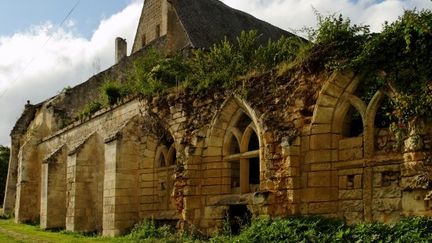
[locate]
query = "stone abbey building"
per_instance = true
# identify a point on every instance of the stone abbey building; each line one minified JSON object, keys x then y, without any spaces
{"x":292,"y":149}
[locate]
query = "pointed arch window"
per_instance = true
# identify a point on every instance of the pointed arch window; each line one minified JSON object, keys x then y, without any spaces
{"x":166,"y":156}
{"x":165,"y":161}
{"x":353,"y":124}
{"x":241,"y":150}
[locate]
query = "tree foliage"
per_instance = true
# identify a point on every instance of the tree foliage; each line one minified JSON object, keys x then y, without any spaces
{"x":4,"y":163}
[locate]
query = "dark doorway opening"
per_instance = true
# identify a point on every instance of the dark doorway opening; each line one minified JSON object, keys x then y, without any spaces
{"x":239,"y":216}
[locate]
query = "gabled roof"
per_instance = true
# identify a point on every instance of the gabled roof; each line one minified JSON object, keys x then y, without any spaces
{"x":207,"y":22}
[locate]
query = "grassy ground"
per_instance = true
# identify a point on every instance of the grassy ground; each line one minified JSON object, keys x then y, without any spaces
{"x":11,"y":232}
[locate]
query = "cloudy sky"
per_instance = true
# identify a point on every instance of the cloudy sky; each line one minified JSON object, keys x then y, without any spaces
{"x":41,"y":52}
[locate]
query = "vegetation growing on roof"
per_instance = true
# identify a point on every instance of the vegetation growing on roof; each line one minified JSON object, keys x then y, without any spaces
{"x":397,"y":61}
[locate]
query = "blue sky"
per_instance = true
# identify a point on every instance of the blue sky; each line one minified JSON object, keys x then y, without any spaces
{"x":19,"y":15}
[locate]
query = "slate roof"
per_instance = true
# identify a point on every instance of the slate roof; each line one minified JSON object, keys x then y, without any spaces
{"x":208,"y":22}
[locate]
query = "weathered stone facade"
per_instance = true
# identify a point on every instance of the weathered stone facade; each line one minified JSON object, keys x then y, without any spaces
{"x":193,"y":160}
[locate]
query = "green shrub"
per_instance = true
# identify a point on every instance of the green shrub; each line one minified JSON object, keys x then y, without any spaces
{"x":90,"y":109}
{"x":318,"y":229}
{"x":148,"y":230}
{"x":111,"y":92}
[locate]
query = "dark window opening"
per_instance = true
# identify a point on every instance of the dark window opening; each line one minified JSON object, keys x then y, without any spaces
{"x":253,"y":142}
{"x":350,"y":181}
{"x":254,"y":171}
{"x":235,"y":174}
{"x":172,"y":157}
{"x":243,"y":122}
{"x":162,"y":162}
{"x":353,"y":124}
{"x":234,"y":146}
{"x":239,"y":217}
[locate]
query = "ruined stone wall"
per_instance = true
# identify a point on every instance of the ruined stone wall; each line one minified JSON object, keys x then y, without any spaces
{"x":193,"y":160}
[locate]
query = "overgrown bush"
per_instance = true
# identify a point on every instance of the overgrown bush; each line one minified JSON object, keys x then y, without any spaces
{"x":148,"y":230}
{"x":111,"y":92}
{"x":318,"y":229}
{"x":90,"y":109}
{"x":334,"y":43}
{"x":300,"y":229}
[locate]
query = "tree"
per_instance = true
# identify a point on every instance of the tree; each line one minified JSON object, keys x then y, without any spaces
{"x":4,"y":162}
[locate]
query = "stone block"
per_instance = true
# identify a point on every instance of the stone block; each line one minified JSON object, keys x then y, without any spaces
{"x":211,"y":190}
{"x":351,"y":206}
{"x":351,"y":154}
{"x":209,"y":159}
{"x":292,"y":171}
{"x":327,"y":101}
{"x":387,"y":204}
{"x":350,"y":194}
{"x":213,"y":151}
{"x":216,"y":165}
{"x":333,"y":90}
{"x":348,"y":143}
{"x":320,"y":141}
{"x":293,"y":161}
{"x":305,"y":143}
{"x":385,"y":168}
{"x":215,"y":212}
{"x":212,"y":181}
{"x":410,"y":168}
{"x":319,"y":179}
{"x":386,"y":217}
{"x":413,"y":201}
{"x":377,"y":180}
{"x":320,"y":166}
{"x":290,"y":151}
{"x":212,"y":173}
{"x":343,"y":181}
{"x":387,"y":192}
{"x":323,"y":115}
{"x":353,"y":217}
{"x":291,"y":183}
{"x":322,"y":207}
{"x":318,"y":156}
{"x":317,"y":194}
{"x":414,"y":156}
{"x":358,"y":182}
{"x":357,"y":171}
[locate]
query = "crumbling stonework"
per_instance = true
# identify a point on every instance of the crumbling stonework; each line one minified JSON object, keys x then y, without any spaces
{"x":285,"y":147}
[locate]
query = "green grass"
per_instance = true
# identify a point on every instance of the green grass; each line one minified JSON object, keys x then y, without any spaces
{"x":11,"y":232}
{"x":262,"y":230}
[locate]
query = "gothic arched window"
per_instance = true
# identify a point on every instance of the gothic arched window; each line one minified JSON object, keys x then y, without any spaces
{"x":242,"y":153}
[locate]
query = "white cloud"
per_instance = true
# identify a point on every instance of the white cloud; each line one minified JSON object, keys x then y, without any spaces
{"x":65,"y":60}
{"x":296,"y":14}
{"x":69,"y":59}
